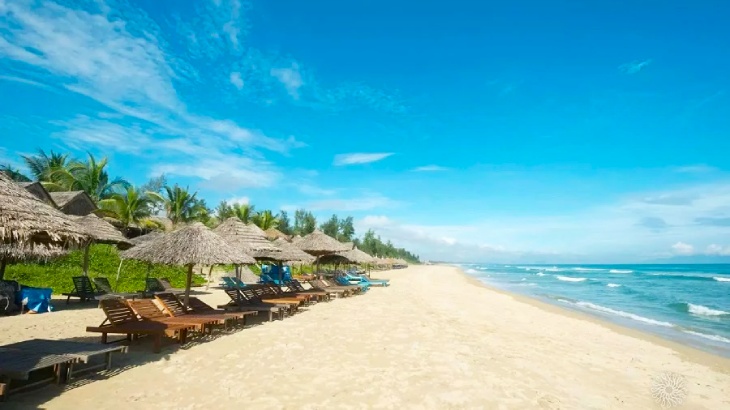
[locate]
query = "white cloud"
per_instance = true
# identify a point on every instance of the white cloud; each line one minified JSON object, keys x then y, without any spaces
{"x":430,"y":168}
{"x":359,"y":203}
{"x":695,"y":169}
{"x":360,"y":158}
{"x":236,"y":80}
{"x":290,"y":77}
{"x":683,"y":249}
{"x":239,"y":200}
{"x":634,"y":66}
{"x":714,"y":249}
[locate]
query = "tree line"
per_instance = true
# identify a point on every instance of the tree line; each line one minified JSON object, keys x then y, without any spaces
{"x":137,"y":206}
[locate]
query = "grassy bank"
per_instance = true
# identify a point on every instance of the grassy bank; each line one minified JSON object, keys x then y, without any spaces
{"x":103,"y":261}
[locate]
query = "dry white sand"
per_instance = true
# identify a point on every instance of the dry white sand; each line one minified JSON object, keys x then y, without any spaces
{"x":434,"y":339}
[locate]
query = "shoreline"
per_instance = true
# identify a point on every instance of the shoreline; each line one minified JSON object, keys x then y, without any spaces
{"x":714,"y":361}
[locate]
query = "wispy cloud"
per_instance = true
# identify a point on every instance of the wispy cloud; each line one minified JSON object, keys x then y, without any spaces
{"x":634,"y":66}
{"x":236,"y":80}
{"x":695,"y":169}
{"x":430,"y":168}
{"x":360,"y":158}
{"x":684,"y":249}
{"x":291,"y":78}
{"x":127,"y":66}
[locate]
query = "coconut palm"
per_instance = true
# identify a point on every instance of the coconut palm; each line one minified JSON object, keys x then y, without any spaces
{"x":179,"y":203}
{"x":14,"y":173}
{"x":266,"y":220}
{"x":91,"y":177}
{"x":130,"y":207}
{"x":245,"y":212}
{"x":45,"y":168}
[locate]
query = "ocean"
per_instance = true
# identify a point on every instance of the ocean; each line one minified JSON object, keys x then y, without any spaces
{"x":685,"y":303}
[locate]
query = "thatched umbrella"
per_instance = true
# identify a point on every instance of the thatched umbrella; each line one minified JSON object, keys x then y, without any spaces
{"x":18,"y":252}
{"x":358,"y":256}
{"x":26,"y":219}
{"x":251,"y":239}
{"x":99,"y":231}
{"x":189,"y":246}
{"x":292,"y":253}
{"x":273,"y":234}
{"x":142,"y":239}
{"x":319,"y":244}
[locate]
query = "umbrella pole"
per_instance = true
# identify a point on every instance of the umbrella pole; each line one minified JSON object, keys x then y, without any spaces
{"x":86,"y":259}
{"x":210,"y":275}
{"x":281,"y":273}
{"x":188,"y":284}
{"x":3,"y":262}
{"x":119,"y":271}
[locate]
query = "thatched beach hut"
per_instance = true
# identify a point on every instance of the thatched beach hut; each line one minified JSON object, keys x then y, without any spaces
{"x":319,"y":244}
{"x":251,"y":239}
{"x":273,"y":234}
{"x":191,"y":245}
{"x":74,"y":202}
{"x":25,"y":219}
{"x":99,"y":231}
{"x":293,"y":254}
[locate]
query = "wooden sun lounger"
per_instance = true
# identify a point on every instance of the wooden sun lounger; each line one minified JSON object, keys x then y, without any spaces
{"x":83,"y":290}
{"x":175,"y":308}
{"x":266,"y":294}
{"x":104,"y":288}
{"x":148,"y":310}
{"x":123,"y":320}
{"x":154,"y":286}
{"x":275,"y":290}
{"x":82,"y":352}
{"x":297,"y":287}
{"x":347,"y":291}
{"x":18,"y":365}
{"x":357,"y":289}
{"x":239,"y":302}
{"x":197,"y":306}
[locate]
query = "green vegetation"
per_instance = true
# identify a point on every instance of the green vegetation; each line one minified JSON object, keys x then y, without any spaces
{"x":135,"y":206}
{"x":103,"y":261}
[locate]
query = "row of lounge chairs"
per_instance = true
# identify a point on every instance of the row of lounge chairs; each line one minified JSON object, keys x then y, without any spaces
{"x":101,"y":289}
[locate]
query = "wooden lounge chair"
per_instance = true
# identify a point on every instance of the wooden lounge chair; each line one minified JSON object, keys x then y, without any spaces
{"x":123,"y":320}
{"x":266,"y":294}
{"x":296,"y":286}
{"x":197,"y":306}
{"x":154,"y":286}
{"x":168,"y":286}
{"x":240,"y":302}
{"x":320,"y":284}
{"x":357,"y":289}
{"x":82,"y":352}
{"x":104,"y":288}
{"x":83,"y":289}
{"x":18,"y":365}
{"x":175,"y":308}
{"x":275,"y":290}
{"x":148,"y":310}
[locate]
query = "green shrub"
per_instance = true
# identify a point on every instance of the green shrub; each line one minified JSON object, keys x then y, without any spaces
{"x":103,"y":261}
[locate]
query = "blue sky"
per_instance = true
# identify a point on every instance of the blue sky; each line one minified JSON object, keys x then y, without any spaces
{"x":522,"y":131}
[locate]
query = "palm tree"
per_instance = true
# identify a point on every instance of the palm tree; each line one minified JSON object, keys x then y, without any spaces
{"x":266,"y":220}
{"x":91,"y":177}
{"x":14,"y":173}
{"x":130,"y":207}
{"x":244,"y":212}
{"x":180,"y":204}
{"x":44,"y":168}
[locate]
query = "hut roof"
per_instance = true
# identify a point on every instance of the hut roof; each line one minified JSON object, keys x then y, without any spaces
{"x":252,"y":240}
{"x":292,"y":253}
{"x":273,"y":234}
{"x":101,"y":231}
{"x":74,"y":202}
{"x":357,"y":256}
{"x":39,"y":191}
{"x":18,"y":252}
{"x":193,"y":244}
{"x":256,"y":230}
{"x":335,"y":258}
{"x":142,"y":239}
{"x":25,"y":218}
{"x":318,"y":243}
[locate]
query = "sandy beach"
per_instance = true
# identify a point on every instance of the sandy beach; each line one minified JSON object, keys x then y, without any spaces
{"x":434,"y":339}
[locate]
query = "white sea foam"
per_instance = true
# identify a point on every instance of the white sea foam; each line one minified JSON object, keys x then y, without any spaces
{"x":587,"y":269}
{"x":471,"y":271}
{"x":705,"y":311}
{"x":719,"y":279}
{"x":569,"y":279}
{"x":620,"y":271}
{"x":709,"y":337}
{"x":540,"y":274}
{"x":553,"y":269}
{"x":613,"y":285}
{"x":624,"y":314}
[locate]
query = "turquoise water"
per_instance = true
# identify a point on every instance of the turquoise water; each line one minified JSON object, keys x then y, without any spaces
{"x":685,"y":303}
